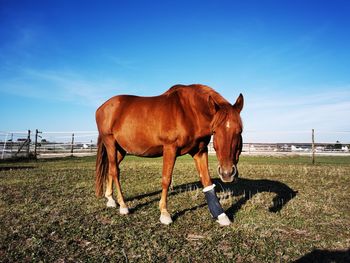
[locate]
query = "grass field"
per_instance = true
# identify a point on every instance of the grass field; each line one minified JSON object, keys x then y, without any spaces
{"x":283,"y":209}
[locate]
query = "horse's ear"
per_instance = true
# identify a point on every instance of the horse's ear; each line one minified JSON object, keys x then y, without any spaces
{"x":213,"y":106}
{"x":239,"y":103}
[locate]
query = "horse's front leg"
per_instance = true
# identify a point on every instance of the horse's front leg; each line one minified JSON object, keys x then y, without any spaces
{"x":201,"y":160}
{"x":169,"y":157}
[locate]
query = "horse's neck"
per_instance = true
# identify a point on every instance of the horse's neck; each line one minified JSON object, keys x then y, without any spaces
{"x":200,"y":106}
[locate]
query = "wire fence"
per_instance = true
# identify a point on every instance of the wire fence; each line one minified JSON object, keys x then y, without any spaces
{"x":41,"y":144}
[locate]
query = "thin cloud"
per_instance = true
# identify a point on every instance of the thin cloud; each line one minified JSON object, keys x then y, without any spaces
{"x":124,"y":63}
{"x":332,"y":95}
{"x":60,"y":85}
{"x":284,"y":116}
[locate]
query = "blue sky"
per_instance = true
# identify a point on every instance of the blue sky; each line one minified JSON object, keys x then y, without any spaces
{"x":59,"y":60}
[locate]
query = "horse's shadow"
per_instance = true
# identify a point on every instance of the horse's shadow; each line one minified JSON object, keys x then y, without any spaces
{"x":243,"y":188}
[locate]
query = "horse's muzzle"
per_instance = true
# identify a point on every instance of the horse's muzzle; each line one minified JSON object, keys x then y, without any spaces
{"x":228,"y":175}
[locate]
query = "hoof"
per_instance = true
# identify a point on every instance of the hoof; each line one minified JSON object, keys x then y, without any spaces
{"x":223,"y":220}
{"x":111,"y":203}
{"x":165,"y":219}
{"x":123,"y":210}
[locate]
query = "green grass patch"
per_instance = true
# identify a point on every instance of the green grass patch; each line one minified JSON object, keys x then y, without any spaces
{"x":283,"y":209}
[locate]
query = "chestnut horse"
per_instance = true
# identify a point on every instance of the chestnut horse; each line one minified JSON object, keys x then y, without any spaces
{"x":180,"y":121}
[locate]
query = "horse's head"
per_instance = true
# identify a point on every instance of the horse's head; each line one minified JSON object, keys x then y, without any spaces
{"x":227,"y":129}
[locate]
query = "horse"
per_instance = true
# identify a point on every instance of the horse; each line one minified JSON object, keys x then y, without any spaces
{"x":178,"y":122}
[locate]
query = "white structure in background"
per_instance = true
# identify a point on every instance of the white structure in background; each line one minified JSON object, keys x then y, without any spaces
{"x":298,"y":149}
{"x":252,"y":148}
{"x":320,"y":149}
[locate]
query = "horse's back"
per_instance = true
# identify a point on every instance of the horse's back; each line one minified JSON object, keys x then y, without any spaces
{"x":119,"y":108}
{"x":144,"y":125}
{"x":140,"y":125}
{"x":109,"y":111}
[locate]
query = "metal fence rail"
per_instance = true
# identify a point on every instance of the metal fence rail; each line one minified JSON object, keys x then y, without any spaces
{"x":40,"y":144}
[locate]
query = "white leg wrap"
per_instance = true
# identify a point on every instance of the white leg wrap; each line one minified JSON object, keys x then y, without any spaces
{"x":209,"y":188}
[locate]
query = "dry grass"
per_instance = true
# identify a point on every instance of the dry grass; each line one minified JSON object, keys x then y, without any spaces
{"x":283,"y":209}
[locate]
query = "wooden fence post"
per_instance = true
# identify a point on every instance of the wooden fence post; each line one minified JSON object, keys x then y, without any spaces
{"x":313,"y":146}
{"x":72,"y":145}
{"x":36,"y":142}
{"x":28,"y":146}
{"x":11,"y":143}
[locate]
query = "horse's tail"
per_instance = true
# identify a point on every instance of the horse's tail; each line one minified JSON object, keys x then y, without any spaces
{"x":101,"y":167}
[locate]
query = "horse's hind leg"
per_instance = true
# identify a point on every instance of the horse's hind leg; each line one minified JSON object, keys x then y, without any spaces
{"x":115,"y":156}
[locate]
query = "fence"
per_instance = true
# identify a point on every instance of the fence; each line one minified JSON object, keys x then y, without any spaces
{"x":39,"y":144}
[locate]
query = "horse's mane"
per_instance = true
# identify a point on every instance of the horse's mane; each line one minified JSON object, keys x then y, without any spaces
{"x":207,"y":92}
{"x":200,"y":90}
